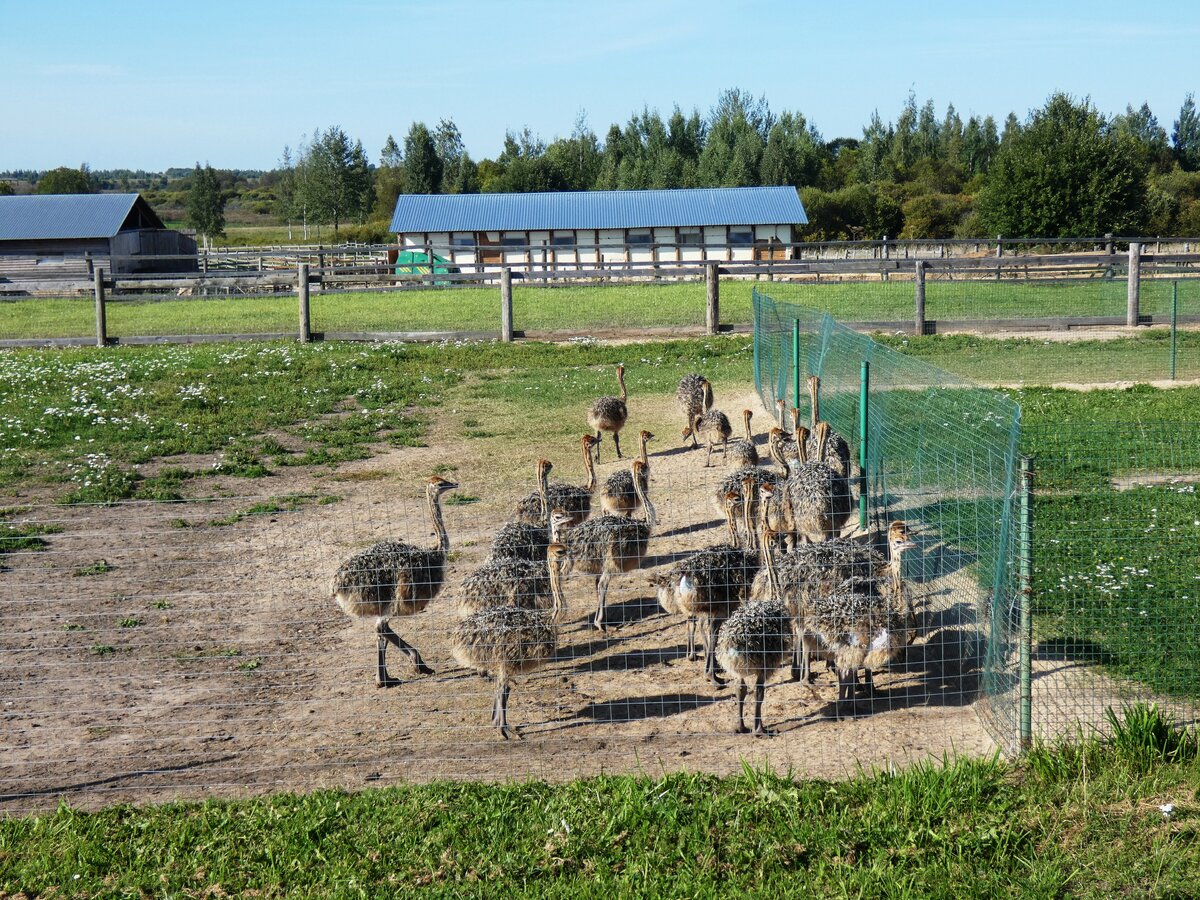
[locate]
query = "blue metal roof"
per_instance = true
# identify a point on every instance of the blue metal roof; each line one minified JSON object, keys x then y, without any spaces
{"x":63,"y":216}
{"x":571,"y":210}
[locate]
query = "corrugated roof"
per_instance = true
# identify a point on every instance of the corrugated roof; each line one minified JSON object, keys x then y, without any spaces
{"x":569,"y":210}
{"x":63,"y":216}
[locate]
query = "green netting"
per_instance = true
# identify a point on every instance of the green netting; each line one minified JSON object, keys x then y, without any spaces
{"x":942,"y":455}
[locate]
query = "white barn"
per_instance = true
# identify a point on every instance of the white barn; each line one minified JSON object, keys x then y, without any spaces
{"x":572,"y":229}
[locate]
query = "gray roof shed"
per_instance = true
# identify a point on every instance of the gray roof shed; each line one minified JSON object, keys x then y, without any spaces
{"x":73,"y":216}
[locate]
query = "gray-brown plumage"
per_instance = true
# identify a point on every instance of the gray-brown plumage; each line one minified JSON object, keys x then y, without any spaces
{"x":712,"y":428}
{"x":695,"y":397}
{"x":607,"y":545}
{"x":782,"y":448}
{"x":521,"y":540}
{"x":575,"y":499}
{"x":819,"y":502}
{"x":743,"y":452}
{"x":707,"y":587}
{"x":503,"y":641}
{"x":505,"y":581}
{"x":733,"y":483}
{"x":752,"y":644}
{"x":610,"y":414}
{"x":617,"y":495}
{"x":392,"y":578}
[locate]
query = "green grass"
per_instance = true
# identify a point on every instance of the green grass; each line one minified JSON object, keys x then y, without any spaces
{"x":575,"y":307}
{"x":1083,"y":820}
{"x":99,"y":567}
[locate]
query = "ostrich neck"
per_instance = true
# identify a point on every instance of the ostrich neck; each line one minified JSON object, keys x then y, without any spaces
{"x":651,"y":515}
{"x":556,"y":591}
{"x":749,"y":433}
{"x":591,"y":469}
{"x":822,"y":442}
{"x":801,"y":449}
{"x":544,"y":490}
{"x":439,"y":526}
{"x":621,"y":381}
{"x":814,"y":393}
{"x":645,"y":457}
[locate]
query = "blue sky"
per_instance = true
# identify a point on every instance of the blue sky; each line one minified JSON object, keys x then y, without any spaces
{"x":151,"y":84}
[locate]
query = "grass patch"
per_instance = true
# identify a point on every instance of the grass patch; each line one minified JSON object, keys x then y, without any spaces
{"x":99,"y":567}
{"x":1082,"y":819}
{"x":457,"y":498}
{"x":102,"y":650}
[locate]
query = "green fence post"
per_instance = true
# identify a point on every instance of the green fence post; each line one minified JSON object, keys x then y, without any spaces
{"x":1025,"y":663}
{"x":1174,"y":322}
{"x":864,"y":384}
{"x":796,"y":362}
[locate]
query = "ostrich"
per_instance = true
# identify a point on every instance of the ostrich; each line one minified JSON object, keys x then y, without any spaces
{"x":837,"y":451}
{"x":392,"y":578}
{"x":708,"y":586}
{"x":534,"y":508}
{"x":521,"y":540}
{"x":610,"y":414}
{"x":754,"y":642}
{"x":617,"y":495}
{"x":782,"y":448}
{"x":503,"y":641}
{"x":713,"y":428}
{"x":814,"y":493}
{"x":606,"y":545}
{"x":733,"y":484}
{"x":743,"y":451}
{"x":694,"y":396}
{"x":505,"y":581}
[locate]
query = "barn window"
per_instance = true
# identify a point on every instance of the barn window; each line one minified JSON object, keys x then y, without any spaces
{"x":639,"y":236}
{"x":563,"y":239}
{"x":514,"y":239}
{"x":691,"y":237}
{"x":463,"y":239}
{"x":741,"y":235}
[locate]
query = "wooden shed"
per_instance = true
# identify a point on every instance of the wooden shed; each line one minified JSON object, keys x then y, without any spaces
{"x":66,"y":236}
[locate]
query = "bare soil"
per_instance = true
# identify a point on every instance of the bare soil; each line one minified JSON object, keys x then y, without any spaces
{"x":209,"y":660}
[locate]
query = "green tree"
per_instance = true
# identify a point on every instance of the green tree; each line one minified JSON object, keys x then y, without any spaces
{"x":1067,"y":173}
{"x":205,"y":203}
{"x":391,"y":180}
{"x":737,"y":135}
{"x":874,"y":150}
{"x":334,"y":179}
{"x":6,"y":189}
{"x":794,"y":153}
{"x":578,"y":157}
{"x":1185,"y":136}
{"x":67,"y":181}
{"x":423,"y":167}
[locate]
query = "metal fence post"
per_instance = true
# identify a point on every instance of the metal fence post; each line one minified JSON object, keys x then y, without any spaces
{"x":864,"y":389}
{"x":101,"y":316}
{"x":506,"y":305}
{"x":1134,"y":284}
{"x":1025,"y":551}
{"x":919,"y":318}
{"x":1174,"y":323}
{"x":712,"y":314}
{"x":302,"y":293}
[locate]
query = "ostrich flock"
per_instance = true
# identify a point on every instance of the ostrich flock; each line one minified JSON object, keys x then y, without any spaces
{"x":787,"y":588}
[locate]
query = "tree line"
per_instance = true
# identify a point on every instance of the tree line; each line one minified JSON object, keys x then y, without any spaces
{"x":1065,"y":170}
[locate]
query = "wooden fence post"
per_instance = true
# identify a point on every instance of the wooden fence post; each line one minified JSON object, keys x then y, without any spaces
{"x":101,"y":318}
{"x":302,"y":293}
{"x":712,"y":314}
{"x":506,"y":306}
{"x":919,"y":317}
{"x":1133,"y":284}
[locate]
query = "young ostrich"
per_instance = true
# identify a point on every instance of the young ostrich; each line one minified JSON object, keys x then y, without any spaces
{"x":505,"y":581}
{"x":743,"y":451}
{"x":503,"y":641}
{"x":610,"y":414}
{"x":837,"y":451}
{"x":535,"y":508}
{"x":617,"y":495}
{"x":819,"y":507}
{"x":521,"y":540}
{"x":733,"y":484}
{"x":392,"y":578}
{"x":707,"y":586}
{"x":752,"y":644}
{"x":713,"y":428}
{"x":695,"y":397}
{"x":606,"y":545}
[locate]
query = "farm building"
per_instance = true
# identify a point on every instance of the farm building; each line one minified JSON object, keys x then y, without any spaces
{"x":579,"y":228}
{"x":56,"y":236}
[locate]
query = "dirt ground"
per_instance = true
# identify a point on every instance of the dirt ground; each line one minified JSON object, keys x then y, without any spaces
{"x":209,"y":660}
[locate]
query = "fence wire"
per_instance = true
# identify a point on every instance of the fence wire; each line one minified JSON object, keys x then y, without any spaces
{"x":940,"y":455}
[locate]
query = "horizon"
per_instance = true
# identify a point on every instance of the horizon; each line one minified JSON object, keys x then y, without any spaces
{"x":368,"y":72}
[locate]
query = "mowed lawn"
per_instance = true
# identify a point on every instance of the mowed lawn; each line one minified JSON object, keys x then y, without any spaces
{"x":575,"y":308}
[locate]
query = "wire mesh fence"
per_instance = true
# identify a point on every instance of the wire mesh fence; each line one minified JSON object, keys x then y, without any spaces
{"x":937,"y":452}
{"x":1116,"y":556}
